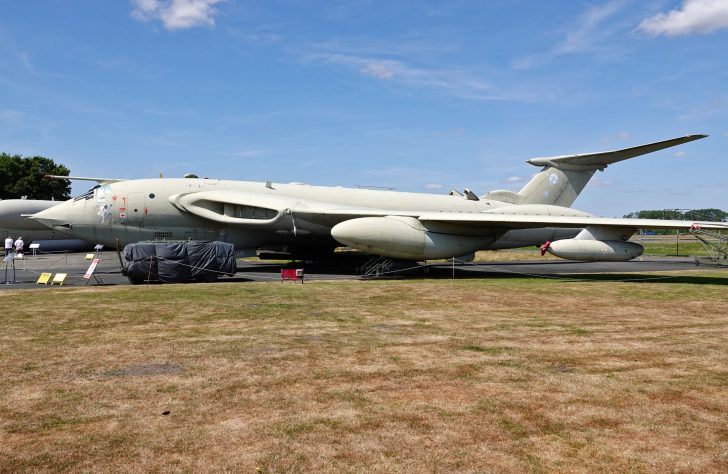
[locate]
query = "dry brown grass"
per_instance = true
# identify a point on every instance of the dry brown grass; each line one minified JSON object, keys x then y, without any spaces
{"x":482,"y":375}
{"x":512,"y":255}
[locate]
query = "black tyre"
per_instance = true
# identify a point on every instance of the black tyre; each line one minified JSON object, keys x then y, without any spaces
{"x":207,"y":277}
{"x":135,"y":280}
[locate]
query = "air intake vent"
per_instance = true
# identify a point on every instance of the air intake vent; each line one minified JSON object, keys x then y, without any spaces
{"x":250,"y":212}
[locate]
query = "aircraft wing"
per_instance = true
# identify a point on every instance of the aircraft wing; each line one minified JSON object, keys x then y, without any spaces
{"x":84,"y":178}
{"x":524,"y":221}
{"x":258,"y":210}
{"x":506,"y":220}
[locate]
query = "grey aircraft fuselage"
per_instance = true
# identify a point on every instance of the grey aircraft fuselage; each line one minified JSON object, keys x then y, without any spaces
{"x":14,"y":224}
{"x":312,"y":220}
{"x":149,"y":209}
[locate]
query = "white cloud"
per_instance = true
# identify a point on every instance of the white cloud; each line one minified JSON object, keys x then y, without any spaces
{"x":247,"y":153}
{"x":693,"y":17}
{"x":378,"y":70}
{"x":433,"y":186}
{"x":590,"y":33}
{"x":513,"y":179}
{"x":451,"y":81}
{"x":679,"y":154}
{"x":590,"y":25}
{"x":176,"y":14}
{"x":623,"y":135}
{"x":24,"y":59}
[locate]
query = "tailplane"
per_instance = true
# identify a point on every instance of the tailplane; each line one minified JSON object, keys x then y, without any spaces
{"x":564,"y":177}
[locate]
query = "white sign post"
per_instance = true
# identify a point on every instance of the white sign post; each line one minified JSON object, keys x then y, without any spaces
{"x":90,"y":272}
{"x":34,"y":248}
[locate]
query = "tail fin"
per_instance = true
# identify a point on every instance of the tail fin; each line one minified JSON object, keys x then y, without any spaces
{"x":564,"y":177}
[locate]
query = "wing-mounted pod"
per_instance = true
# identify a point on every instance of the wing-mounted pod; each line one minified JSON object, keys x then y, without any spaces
{"x":408,"y":238}
{"x":234,"y":208}
{"x":596,"y":244}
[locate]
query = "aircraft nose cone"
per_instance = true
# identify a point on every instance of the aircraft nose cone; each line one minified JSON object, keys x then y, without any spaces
{"x":56,"y":216}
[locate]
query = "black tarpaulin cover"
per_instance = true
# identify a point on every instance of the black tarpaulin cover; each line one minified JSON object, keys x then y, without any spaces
{"x":173,"y":262}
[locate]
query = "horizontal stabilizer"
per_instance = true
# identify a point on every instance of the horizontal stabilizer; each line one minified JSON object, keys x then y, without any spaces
{"x":600,"y":160}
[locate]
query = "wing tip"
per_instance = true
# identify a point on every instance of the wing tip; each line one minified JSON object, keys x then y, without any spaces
{"x":696,"y":136}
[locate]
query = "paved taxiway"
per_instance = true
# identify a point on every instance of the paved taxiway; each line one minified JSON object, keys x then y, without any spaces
{"x":108,"y":271}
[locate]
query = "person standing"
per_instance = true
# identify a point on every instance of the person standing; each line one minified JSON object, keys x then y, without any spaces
{"x":19,"y":244}
{"x":8,"y":245}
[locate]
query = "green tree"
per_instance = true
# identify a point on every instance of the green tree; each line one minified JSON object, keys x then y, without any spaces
{"x":24,"y":176}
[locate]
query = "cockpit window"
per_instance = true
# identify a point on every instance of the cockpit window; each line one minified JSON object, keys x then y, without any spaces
{"x":102,"y":191}
{"x":88,"y":194}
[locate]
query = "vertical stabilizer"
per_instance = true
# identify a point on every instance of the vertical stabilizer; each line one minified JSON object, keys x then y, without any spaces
{"x":555,"y":186}
{"x":564,"y":177}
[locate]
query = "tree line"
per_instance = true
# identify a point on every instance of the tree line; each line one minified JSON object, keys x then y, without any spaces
{"x":24,"y":176}
{"x":680,"y":215}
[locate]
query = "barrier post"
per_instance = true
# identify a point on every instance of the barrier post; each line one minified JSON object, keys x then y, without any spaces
{"x":9,"y":259}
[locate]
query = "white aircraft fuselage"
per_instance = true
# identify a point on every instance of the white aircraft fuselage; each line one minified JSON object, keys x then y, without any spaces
{"x":150,"y":209}
{"x":301,"y":219}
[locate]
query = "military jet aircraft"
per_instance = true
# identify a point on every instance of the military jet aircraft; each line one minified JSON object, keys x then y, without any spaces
{"x":14,"y":224}
{"x":306,"y":220}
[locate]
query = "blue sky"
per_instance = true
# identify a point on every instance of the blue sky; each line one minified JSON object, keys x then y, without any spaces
{"x":419,"y":96}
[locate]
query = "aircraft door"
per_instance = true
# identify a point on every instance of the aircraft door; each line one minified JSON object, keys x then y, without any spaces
{"x":135,"y":209}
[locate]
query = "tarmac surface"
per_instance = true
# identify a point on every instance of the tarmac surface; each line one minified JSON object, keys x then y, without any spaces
{"x":26,"y":272}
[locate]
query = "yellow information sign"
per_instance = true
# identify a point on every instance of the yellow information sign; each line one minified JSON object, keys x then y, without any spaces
{"x":90,"y":256}
{"x":59,"y":278}
{"x":44,"y":278}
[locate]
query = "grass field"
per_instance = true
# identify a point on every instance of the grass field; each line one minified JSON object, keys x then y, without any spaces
{"x":500,"y":375}
{"x":687,"y":245}
{"x":684,"y":249}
